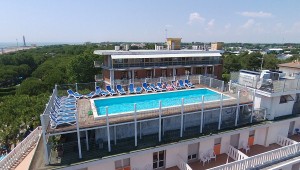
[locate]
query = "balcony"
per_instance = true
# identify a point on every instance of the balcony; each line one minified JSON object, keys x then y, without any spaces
{"x":258,"y":157}
{"x":165,"y":64}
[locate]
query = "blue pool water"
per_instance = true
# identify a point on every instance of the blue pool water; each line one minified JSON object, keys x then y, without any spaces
{"x":151,"y":101}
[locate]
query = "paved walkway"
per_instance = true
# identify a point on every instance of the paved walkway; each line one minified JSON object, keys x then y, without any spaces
{"x":24,"y":165}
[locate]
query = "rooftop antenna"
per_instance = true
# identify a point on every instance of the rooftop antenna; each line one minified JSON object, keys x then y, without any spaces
{"x":166,"y":33}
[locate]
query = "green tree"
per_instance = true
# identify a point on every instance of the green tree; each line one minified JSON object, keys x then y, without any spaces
{"x":31,"y":86}
{"x":81,"y":69}
{"x":231,"y":63}
{"x":251,"y":61}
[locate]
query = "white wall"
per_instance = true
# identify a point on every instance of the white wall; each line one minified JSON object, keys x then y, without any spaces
{"x":225,"y":142}
{"x":141,"y":161}
{"x":110,"y":165}
{"x":274,"y":109}
{"x":206,"y":145}
{"x":259,"y":136}
{"x":171,"y":155}
{"x":275,"y":130}
{"x":283,"y":108}
{"x":244,"y":136}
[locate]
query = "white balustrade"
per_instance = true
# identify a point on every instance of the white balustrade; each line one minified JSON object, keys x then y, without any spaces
{"x":264,"y":158}
{"x":284,"y":141}
{"x":182,"y":165}
{"x":13,"y":158}
{"x":235,"y":154}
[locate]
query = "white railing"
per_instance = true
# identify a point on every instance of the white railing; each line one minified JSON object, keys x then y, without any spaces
{"x":284,"y":141}
{"x":261,"y":159}
{"x":182,"y":165}
{"x":235,"y":154}
{"x":21,"y":150}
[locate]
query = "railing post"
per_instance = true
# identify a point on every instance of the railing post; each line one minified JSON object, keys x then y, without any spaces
{"x":135,"y":126}
{"x":283,"y":85}
{"x":265,"y":114}
{"x":210,"y":82}
{"x":199,"y":79}
{"x":181,"y":123}
{"x":202,"y":112}
{"x":229,"y":85}
{"x":221,"y":110}
{"x":115,"y":134}
{"x":95,"y":85}
{"x":46,"y":157}
{"x":78,"y":136}
{"x":107,"y":127}
{"x":237,"y":109}
{"x":253,"y":100}
{"x":87,"y":140}
{"x":159,"y":132}
{"x":222,"y":87}
{"x":76,"y":87}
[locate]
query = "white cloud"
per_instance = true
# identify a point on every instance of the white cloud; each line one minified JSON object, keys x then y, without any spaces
{"x":248,"y":24}
{"x":195,"y":17}
{"x":227,"y":26}
{"x":211,"y":23}
{"x":259,"y":14}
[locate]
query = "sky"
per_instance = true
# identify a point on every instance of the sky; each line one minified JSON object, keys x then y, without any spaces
{"x":252,"y":21}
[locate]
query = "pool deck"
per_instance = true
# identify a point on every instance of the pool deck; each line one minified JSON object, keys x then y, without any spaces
{"x":88,"y":121}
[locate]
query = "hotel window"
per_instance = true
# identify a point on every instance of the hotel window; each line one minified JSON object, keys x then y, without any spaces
{"x":285,"y":99}
{"x":164,"y":73}
{"x":193,"y":150}
{"x":159,"y":159}
{"x":135,"y":74}
{"x":123,"y":164}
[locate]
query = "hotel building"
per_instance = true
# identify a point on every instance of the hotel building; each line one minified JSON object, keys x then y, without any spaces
{"x":162,"y":62}
{"x":252,"y":125}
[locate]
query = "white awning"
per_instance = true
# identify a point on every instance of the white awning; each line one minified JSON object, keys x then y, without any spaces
{"x":166,"y":55}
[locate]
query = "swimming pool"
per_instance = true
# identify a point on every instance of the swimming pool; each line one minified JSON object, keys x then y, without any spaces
{"x":125,"y":104}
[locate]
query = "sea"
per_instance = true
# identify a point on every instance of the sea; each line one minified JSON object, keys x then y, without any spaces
{"x":14,"y":44}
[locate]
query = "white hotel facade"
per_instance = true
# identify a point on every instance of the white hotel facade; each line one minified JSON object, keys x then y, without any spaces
{"x":262,"y":121}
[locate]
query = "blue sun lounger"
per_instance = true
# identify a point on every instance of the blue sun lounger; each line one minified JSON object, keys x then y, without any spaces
{"x":110,"y":90}
{"x":175,"y":86}
{"x":74,"y":94}
{"x":160,"y":86}
{"x":181,"y":84}
{"x":138,"y":90}
{"x":120,"y":90}
{"x":91,"y":95}
{"x":54,"y":122}
{"x":188,"y":84}
{"x":146,"y":88}
{"x":154,"y":88}
{"x":131,"y":89}
{"x":101,"y":92}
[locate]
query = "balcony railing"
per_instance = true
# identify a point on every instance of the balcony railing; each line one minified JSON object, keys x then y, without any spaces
{"x":263,"y":159}
{"x":182,"y":165}
{"x":21,"y":150}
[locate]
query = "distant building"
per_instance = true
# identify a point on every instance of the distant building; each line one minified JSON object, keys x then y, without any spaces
{"x":139,"y":64}
{"x":283,"y":56}
{"x":274,"y":51}
{"x":173,"y":43}
{"x":291,"y":69}
{"x":217,"y":46}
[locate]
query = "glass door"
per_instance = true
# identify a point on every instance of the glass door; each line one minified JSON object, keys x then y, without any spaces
{"x":158,"y":159}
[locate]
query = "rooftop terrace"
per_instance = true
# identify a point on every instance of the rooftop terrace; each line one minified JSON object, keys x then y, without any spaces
{"x":144,"y":130}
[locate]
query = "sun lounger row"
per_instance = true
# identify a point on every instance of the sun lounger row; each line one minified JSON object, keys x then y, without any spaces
{"x":159,"y":87}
